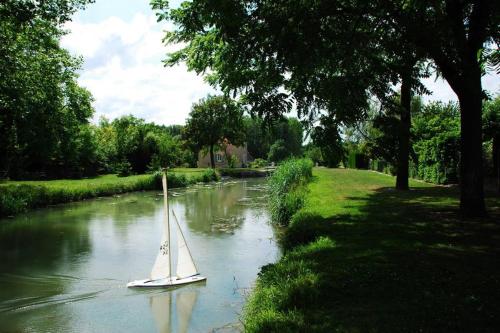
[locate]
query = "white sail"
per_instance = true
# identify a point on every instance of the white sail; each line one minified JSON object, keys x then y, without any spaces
{"x":160,"y":306}
{"x":184,"y":302}
{"x":185,"y":263}
{"x":161,"y":268}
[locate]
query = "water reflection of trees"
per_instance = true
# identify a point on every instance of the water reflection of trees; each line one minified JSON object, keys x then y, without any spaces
{"x":37,"y":246}
{"x":218,"y":209}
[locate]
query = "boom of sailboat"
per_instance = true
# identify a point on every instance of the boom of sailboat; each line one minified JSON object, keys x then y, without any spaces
{"x":161,"y":274}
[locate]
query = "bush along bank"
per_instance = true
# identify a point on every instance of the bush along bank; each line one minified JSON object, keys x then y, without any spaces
{"x":20,"y":197}
{"x":287,"y":189}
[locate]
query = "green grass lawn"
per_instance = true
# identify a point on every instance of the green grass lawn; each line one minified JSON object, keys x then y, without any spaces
{"x":100,"y":180}
{"x":363,"y":257}
{"x":20,"y":196}
{"x":79,"y":183}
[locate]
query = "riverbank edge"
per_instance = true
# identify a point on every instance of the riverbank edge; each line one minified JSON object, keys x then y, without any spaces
{"x":245,"y":172}
{"x":20,"y":198}
{"x":332,"y":276}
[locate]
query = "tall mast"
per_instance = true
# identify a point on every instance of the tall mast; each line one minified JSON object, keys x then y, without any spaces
{"x":165,"y":204}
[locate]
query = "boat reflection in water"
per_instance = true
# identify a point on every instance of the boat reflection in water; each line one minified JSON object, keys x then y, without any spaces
{"x":172,"y":311}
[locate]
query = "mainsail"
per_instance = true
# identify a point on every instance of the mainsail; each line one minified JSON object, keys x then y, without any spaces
{"x":161,"y":268}
{"x":185,"y":263}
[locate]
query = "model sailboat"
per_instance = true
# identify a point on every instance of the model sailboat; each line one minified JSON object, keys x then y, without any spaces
{"x":161,"y":274}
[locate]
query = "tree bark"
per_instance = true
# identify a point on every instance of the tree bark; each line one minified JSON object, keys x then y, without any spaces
{"x":404,"y":133}
{"x":471,"y":159}
{"x":212,"y":159}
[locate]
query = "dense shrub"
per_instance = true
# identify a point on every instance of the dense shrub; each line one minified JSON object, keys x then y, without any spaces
{"x":436,"y":132}
{"x":382,"y":166}
{"x":258,"y":163}
{"x":278,"y":151}
{"x":357,"y":160}
{"x":208,"y":176}
{"x":286,"y":187}
{"x":124,"y":168}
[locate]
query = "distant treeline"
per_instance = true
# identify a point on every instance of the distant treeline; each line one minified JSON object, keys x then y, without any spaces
{"x":129,"y":145}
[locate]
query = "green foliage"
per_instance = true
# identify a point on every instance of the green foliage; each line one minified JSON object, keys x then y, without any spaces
{"x":43,"y":111}
{"x":18,"y":197}
{"x":491,"y":130}
{"x":436,"y":132}
{"x":209,"y":175}
{"x":357,"y":160}
{"x":286,"y":188}
{"x":334,"y":55}
{"x":491,"y":118}
{"x":326,"y":136}
{"x":213,"y":121}
{"x":284,"y":291}
{"x":145,"y":146}
{"x":257,"y":137}
{"x":314,"y":154}
{"x":384,"y":167}
{"x":304,"y":228}
{"x":258,"y":163}
{"x":260,"y":135}
{"x":232,"y":161}
{"x":124,"y":169}
{"x":278,"y":151}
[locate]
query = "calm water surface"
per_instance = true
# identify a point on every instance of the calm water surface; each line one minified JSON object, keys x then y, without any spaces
{"x":64,"y":269}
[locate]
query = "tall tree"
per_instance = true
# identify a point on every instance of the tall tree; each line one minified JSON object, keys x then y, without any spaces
{"x":213,"y":121}
{"x":333,"y":72}
{"x":42,"y":108}
{"x":330,"y":54}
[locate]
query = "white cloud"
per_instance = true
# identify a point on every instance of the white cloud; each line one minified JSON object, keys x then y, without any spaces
{"x":123,"y":70}
{"x":443,"y":92}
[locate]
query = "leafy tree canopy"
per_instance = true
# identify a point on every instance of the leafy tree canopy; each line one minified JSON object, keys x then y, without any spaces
{"x":213,"y":121}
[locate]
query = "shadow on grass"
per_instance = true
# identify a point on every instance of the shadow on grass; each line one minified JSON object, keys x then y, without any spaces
{"x":406,"y":262}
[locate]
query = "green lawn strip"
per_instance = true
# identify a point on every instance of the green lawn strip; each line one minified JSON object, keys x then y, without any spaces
{"x":363,"y":257}
{"x":20,"y":196}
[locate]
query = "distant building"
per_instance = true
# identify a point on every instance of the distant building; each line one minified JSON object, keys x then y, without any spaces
{"x":241,"y":153}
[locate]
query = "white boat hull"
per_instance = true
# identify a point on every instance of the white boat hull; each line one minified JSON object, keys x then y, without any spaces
{"x":166,"y":282}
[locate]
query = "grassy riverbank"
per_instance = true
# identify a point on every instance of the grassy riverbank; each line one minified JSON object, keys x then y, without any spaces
{"x":20,"y":196}
{"x":363,"y":257}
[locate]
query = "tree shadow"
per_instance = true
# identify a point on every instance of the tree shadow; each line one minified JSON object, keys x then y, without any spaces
{"x":407,"y":262}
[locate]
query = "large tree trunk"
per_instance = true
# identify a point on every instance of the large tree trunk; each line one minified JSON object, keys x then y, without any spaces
{"x":404,"y":133}
{"x":212,"y":159}
{"x":471,"y":158}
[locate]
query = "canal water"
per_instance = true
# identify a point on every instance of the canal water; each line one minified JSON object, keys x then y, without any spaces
{"x":64,"y":268}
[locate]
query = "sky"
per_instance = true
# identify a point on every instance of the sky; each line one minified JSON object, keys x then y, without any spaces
{"x":121,"y":45}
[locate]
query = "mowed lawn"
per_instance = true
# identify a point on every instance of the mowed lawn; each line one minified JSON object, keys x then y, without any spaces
{"x":364,"y":257}
{"x":100,"y":180}
{"x":20,"y":196}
